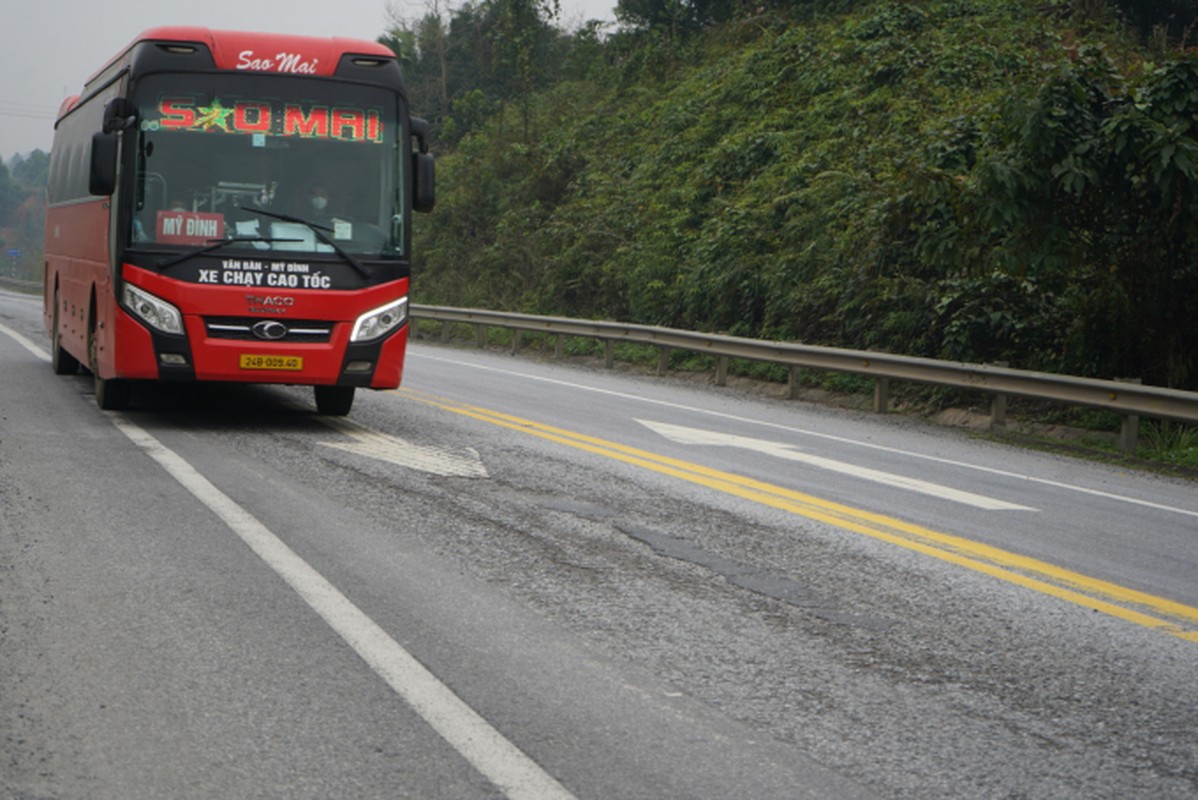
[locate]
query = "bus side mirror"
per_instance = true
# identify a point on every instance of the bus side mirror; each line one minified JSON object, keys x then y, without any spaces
{"x":420,"y":131}
{"x":119,"y":114}
{"x":101,"y":178}
{"x":423,"y":182}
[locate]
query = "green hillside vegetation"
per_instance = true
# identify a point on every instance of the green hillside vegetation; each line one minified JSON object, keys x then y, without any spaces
{"x":22,"y":215}
{"x":979,"y":180}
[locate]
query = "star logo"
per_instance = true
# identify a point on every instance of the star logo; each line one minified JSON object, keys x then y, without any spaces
{"x":213,"y":117}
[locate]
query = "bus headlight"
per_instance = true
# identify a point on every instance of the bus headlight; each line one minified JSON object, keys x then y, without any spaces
{"x":380,"y":321}
{"x":154,"y":311}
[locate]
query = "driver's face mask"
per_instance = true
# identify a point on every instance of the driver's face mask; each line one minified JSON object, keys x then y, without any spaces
{"x":319,"y":203}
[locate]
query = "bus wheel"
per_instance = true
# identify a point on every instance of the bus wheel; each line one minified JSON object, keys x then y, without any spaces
{"x":63,"y":362}
{"x":334,"y":401}
{"x":111,"y":394}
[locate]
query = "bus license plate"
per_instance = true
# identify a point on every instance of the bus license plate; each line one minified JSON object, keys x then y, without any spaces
{"x":290,"y":363}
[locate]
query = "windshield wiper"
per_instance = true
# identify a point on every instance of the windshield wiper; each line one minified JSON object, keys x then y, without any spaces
{"x":213,"y":244}
{"x":317,"y":229}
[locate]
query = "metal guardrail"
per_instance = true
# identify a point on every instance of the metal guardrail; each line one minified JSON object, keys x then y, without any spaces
{"x":1128,"y":399}
{"x":18,"y":285}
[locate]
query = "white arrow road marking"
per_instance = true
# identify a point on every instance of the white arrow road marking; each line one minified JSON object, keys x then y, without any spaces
{"x":697,"y":436}
{"x":464,"y":463}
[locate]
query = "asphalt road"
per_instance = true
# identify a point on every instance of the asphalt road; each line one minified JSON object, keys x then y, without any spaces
{"x":522,"y":579}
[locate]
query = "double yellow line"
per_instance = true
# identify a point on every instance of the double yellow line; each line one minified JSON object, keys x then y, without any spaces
{"x":1141,"y":608}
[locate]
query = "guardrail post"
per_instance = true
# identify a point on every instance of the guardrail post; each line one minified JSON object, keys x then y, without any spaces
{"x":663,"y":360}
{"x":881,"y":395}
{"x":1129,"y":432}
{"x":516,"y":341}
{"x":480,"y":333}
{"x":559,"y":346}
{"x":998,"y":406}
{"x":446,"y":327}
{"x":721,"y":371}
{"x":609,"y":353}
{"x":998,"y":412}
{"x":792,"y":383}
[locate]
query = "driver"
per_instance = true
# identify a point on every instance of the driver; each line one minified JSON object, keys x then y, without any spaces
{"x":313,"y":204}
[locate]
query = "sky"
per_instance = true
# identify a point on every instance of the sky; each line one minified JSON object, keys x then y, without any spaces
{"x":48,"y":48}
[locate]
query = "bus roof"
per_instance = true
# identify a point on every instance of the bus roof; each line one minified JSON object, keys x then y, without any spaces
{"x":260,"y":52}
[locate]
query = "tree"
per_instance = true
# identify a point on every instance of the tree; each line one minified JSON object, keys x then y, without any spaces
{"x":1172,"y":19}
{"x":670,"y":16}
{"x":23,"y":211}
{"x":521,"y":43}
{"x":421,"y":49}
{"x":1088,"y":194}
{"x":32,"y":170}
{"x":11,"y":195}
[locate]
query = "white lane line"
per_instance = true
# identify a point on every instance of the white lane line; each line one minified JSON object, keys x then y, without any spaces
{"x":818,"y":435}
{"x":697,"y":436}
{"x":517,"y":775}
{"x":24,"y":342}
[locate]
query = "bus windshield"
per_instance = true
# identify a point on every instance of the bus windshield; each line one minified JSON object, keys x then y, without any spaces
{"x":257,"y":163}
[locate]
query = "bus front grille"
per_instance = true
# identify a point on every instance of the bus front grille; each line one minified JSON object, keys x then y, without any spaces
{"x":256,"y":329}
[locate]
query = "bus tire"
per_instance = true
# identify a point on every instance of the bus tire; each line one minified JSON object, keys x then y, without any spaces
{"x":63,"y":362}
{"x":112,"y":394}
{"x":334,"y":401}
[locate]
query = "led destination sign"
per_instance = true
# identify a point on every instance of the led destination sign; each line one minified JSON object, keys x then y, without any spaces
{"x":339,"y":123}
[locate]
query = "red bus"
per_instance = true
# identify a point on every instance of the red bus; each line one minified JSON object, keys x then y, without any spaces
{"x":228,"y":206}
